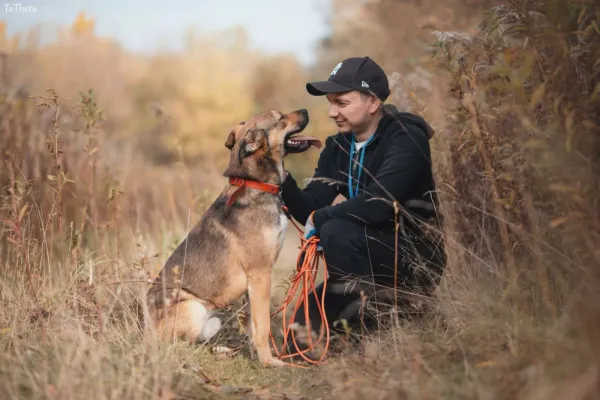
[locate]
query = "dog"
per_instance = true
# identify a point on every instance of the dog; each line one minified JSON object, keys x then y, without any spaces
{"x":232,"y":249}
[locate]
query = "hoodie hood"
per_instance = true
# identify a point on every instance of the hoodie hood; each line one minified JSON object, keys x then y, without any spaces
{"x":407,"y":118}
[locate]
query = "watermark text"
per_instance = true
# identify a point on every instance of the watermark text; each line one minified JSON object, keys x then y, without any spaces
{"x":19,"y":8}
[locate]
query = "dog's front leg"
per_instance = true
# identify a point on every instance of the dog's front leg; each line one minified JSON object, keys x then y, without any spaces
{"x":248,"y":327}
{"x":259,"y":291}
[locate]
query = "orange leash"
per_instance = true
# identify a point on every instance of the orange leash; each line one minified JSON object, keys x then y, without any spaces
{"x":304,"y":280}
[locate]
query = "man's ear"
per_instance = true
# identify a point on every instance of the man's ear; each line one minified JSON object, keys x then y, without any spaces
{"x":374,"y":104}
{"x":253,"y":141}
{"x":230,"y":142}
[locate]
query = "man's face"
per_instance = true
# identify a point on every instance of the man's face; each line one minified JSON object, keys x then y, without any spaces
{"x":351,"y":111}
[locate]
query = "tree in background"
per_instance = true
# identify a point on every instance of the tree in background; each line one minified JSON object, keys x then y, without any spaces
{"x":393,"y":32}
{"x":203,"y":92}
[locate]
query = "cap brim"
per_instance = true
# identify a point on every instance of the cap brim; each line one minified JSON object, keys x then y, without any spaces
{"x":323,"y":87}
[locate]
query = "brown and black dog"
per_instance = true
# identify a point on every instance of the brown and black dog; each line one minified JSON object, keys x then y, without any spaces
{"x":232,"y":249}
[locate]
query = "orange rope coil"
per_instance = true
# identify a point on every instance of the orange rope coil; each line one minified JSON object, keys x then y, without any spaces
{"x":304,"y":279}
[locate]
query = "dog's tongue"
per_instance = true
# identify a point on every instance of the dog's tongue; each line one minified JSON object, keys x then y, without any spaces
{"x":313,"y":141}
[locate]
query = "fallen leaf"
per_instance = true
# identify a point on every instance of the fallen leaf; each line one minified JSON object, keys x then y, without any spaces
{"x":558,"y":221}
{"x":486,"y":364}
{"x":538,"y":94}
{"x":221,"y":350}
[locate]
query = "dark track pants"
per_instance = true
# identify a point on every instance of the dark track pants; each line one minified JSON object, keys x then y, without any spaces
{"x":355,"y":252}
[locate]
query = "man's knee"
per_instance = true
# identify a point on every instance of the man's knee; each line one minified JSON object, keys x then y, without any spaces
{"x":337,"y":234}
{"x":344,"y":247}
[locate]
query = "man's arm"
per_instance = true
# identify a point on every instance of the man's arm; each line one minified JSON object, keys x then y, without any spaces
{"x":405,"y":158}
{"x":317,"y":193}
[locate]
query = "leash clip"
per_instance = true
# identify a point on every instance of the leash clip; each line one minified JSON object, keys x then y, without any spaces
{"x":284,"y":208}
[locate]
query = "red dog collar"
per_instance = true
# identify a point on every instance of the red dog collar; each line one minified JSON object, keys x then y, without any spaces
{"x":246,"y":183}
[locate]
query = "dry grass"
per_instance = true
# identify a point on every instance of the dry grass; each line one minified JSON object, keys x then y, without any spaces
{"x":516,"y":164}
{"x":78,"y":247}
{"x":86,"y":221}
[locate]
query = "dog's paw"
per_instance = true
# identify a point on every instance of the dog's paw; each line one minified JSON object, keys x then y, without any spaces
{"x":210,"y":328}
{"x":272,"y":362}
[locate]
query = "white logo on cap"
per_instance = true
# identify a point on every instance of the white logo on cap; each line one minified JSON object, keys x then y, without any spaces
{"x":335,"y":70}
{"x":365,"y":84}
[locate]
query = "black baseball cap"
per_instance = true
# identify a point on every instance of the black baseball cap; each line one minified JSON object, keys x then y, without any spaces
{"x":354,"y":73}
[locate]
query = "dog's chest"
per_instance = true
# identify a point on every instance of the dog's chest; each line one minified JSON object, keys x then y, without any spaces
{"x":275,"y":234}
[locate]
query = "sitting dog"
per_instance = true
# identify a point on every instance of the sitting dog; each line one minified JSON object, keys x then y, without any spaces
{"x":232,"y":249}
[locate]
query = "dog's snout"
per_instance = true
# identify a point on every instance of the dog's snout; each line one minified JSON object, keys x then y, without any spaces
{"x":304,"y":113}
{"x":301,"y":113}
{"x":302,"y":116}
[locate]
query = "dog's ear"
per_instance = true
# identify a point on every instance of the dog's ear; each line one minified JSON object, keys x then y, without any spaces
{"x":230,"y":142}
{"x":253,"y":141}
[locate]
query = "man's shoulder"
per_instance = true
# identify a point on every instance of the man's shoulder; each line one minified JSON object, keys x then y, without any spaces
{"x":399,"y":131}
{"x":334,"y":141}
{"x":405,"y":124}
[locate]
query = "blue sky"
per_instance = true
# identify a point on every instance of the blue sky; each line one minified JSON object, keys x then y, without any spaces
{"x":144,"y":25}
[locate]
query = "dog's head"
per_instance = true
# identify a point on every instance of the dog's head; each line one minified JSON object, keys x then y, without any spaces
{"x":259,"y":144}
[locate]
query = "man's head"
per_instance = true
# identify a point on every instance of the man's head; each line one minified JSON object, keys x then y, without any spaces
{"x":356,"y":89}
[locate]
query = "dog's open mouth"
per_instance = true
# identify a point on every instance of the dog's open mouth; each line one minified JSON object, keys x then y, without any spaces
{"x":298,"y":144}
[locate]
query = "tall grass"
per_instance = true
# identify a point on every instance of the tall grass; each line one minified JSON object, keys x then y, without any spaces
{"x":523,"y":151}
{"x":516,"y":161}
{"x":84,"y":225}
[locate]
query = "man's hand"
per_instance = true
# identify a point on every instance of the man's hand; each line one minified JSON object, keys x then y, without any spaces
{"x":339,"y":199}
{"x":310,"y":230}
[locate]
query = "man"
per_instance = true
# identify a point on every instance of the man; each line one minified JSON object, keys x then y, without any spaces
{"x":391,"y":161}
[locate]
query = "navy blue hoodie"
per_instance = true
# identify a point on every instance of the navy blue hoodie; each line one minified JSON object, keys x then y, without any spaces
{"x":398,"y":157}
